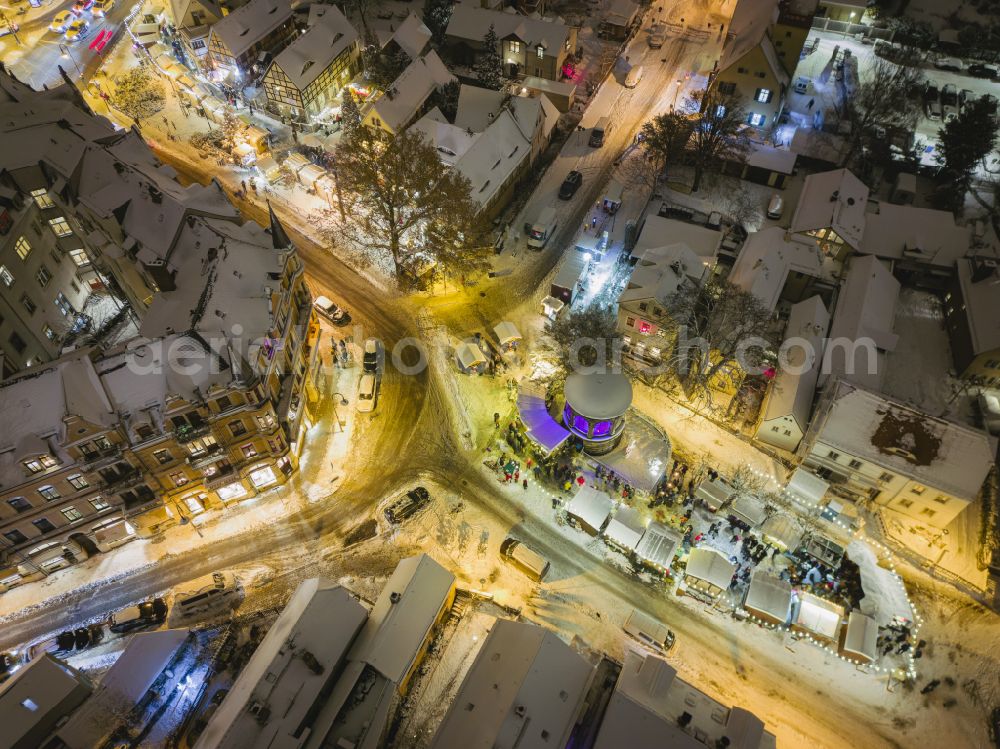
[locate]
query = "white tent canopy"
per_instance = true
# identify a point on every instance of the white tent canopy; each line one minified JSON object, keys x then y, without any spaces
{"x":626,"y":528}
{"x":469,"y":356}
{"x":748,"y":508}
{"x":861,"y":638}
{"x":507,"y":333}
{"x":710,"y":566}
{"x":885,"y":597}
{"x":769,"y":598}
{"x":806,"y":488}
{"x":715,"y":493}
{"x":818,"y":617}
{"x":783,"y":530}
{"x":658,"y":546}
{"x":591,"y":507}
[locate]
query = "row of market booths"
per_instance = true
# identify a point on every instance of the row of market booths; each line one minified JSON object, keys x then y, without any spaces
{"x":652,"y":545}
{"x":473,"y":356}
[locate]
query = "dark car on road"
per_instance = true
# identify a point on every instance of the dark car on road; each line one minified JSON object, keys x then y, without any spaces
{"x":981,"y":71}
{"x":142,"y":615}
{"x":570,"y":185}
{"x":407,"y":506}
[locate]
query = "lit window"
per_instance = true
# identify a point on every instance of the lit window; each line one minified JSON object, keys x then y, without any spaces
{"x":28,"y":304}
{"x":29,"y":704}
{"x":236,"y":490}
{"x":99,"y":503}
{"x":79,"y":257}
{"x":249,"y":451}
{"x":756,"y":119}
{"x":49,"y":493}
{"x":237,"y":427}
{"x":22,"y":247}
{"x":602,"y":429}
{"x":60,"y":226}
{"x":263,"y":477}
{"x":41,"y":198}
{"x":39,"y":464}
{"x":43,"y":276}
{"x":265,"y":421}
{"x":194,"y":504}
{"x":6,"y":276}
{"x":77,"y":481}
{"x":644,"y":327}
{"x":763,"y":95}
{"x":720,"y":110}
{"x":163,"y":456}
{"x":941,"y":499}
{"x":71,"y":514}
{"x":918,"y":489}
{"x":515,"y":48}
{"x":49,"y":332}
{"x":179,"y":478}
{"x":540,"y":51}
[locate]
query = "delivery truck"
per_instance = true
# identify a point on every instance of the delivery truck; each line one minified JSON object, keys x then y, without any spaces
{"x":542,"y":228}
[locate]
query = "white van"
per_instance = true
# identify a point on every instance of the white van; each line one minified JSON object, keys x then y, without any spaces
{"x":646,"y":630}
{"x":220,"y":592}
{"x":533,"y":564}
{"x":633,"y":77}
{"x":542,"y":228}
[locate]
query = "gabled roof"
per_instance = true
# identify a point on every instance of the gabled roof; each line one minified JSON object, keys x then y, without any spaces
{"x":748,"y":27}
{"x":470,"y":24}
{"x":766,"y":259}
{"x":905,"y":232}
{"x":621,"y":12}
{"x":661,"y":271}
{"x":412,"y":36}
{"x":494,"y":156}
{"x":835,"y":199}
{"x":477,"y":107}
{"x":305,"y":59}
{"x":866,"y":307}
{"x":948,"y":456}
{"x":450,"y":141}
{"x":793,"y":388}
{"x":409,"y":91}
{"x":659,"y":232}
{"x":179,"y":9}
{"x":246,"y":26}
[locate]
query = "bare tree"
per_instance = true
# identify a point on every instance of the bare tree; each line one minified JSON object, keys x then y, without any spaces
{"x":721,"y":331}
{"x":719,"y":131}
{"x":664,"y":139}
{"x":744,"y":207}
{"x":403,"y":203}
{"x":883,"y":100}
{"x":586,"y":337}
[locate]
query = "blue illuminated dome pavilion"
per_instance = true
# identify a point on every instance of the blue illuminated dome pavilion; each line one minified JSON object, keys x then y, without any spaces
{"x":595,"y":409}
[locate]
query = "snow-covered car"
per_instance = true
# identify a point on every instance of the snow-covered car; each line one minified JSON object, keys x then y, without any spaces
{"x":949,"y":63}
{"x":367,"y":393}
{"x":981,"y":71}
{"x":965,"y":98}
{"x":60,"y":21}
{"x":81,"y":6}
{"x":775,"y":207}
{"x":932,"y":102}
{"x":77,"y":30}
{"x":801,"y":85}
{"x":570,"y":185}
{"x":949,"y":101}
{"x":211,"y":594}
{"x":408,"y":505}
{"x":328,"y":309}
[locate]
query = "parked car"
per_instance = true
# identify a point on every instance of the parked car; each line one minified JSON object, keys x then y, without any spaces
{"x":801,"y":85}
{"x":646,"y":630}
{"x":977,"y":70}
{"x":991,"y":103}
{"x":221,"y":591}
{"x":530,"y":562}
{"x":932,"y":102}
{"x":965,"y":98}
{"x":142,"y":615}
{"x":775,"y":207}
{"x":570,"y":185}
{"x":326,"y":307}
{"x":81,"y":6}
{"x":408,"y":505}
{"x":370,"y":361}
{"x":656,"y":36}
{"x":103,"y":7}
{"x":948,"y":63}
{"x":65,"y":640}
{"x":367,"y":393}
{"x":9,"y":663}
{"x":949,"y":101}
{"x":60,"y":21}
{"x":77,"y":30}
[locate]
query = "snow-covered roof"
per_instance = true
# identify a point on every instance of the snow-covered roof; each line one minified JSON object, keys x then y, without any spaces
{"x":620,"y":12}
{"x":599,"y":395}
{"x":806,"y":487}
{"x":661,"y":232}
{"x":905,"y":232}
{"x":470,"y":23}
{"x":626,"y":528}
{"x":477,"y":107}
{"x":403,"y":615}
{"x":507,"y":332}
{"x":51,"y":685}
{"x":247,"y":25}
{"x":179,"y":9}
{"x":749,"y":508}
{"x":945,"y":455}
{"x":591,"y":506}
{"x":658,"y":545}
{"x":131,"y":676}
{"x":407,"y":94}
{"x":828,"y":148}
{"x":748,"y":28}
{"x":819,"y":616}
{"x":305,"y":59}
{"x":769,"y":597}
{"x":835,"y":199}
{"x":649,"y":697}
{"x":783,"y":529}
{"x":523,"y":675}
{"x":764,"y":156}
{"x":885,"y":596}
{"x":469,"y":355}
{"x":661,"y":271}
{"x":320,"y":618}
{"x":982,"y":307}
{"x":544,"y":430}
{"x":865,"y":309}
{"x":716,"y":491}
{"x":794,"y":387}
{"x":710,"y":565}
{"x":545,"y":86}
{"x":494,"y":156}
{"x":412,"y":36}
{"x":861,"y":638}
{"x":766,"y":259}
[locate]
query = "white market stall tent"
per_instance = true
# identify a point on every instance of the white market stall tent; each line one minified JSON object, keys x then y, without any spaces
{"x":769,"y":598}
{"x":625,"y":529}
{"x":818,"y":618}
{"x":749,"y":509}
{"x":507,"y":333}
{"x":708,"y":572}
{"x":806,"y":488}
{"x":714,"y":493}
{"x":860,"y":640}
{"x":885,"y":596}
{"x":469,"y":356}
{"x":658,"y":546}
{"x":590,"y":508}
{"x":782,"y":530}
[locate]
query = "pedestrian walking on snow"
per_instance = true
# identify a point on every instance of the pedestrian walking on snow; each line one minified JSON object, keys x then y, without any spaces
{"x":525,"y":484}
